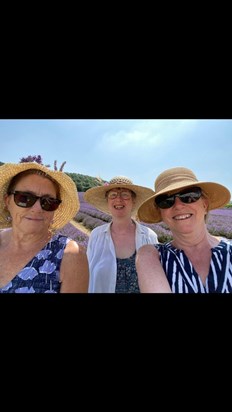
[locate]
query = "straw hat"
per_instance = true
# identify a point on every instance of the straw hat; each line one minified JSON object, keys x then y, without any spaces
{"x":179,"y":178}
{"x":96,"y":195}
{"x":68,"y":192}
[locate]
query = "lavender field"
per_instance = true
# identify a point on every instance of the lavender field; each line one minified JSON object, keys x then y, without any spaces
{"x":75,"y":234}
{"x":219,"y":223}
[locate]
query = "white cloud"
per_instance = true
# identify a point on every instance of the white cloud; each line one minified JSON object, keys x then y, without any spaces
{"x":146,"y":134}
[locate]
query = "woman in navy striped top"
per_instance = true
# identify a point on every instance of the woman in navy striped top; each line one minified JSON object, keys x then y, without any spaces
{"x":194,"y":261}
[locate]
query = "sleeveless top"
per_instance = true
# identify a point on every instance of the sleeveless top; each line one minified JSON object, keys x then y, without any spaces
{"x":42,"y":273}
{"x":183,"y":278}
{"x":127,"y":279}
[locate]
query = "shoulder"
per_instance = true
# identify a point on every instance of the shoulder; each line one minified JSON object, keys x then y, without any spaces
{"x":73,"y":246}
{"x":99,"y":230}
{"x":225,"y":246}
{"x":74,"y":251}
{"x":150,"y":231}
{"x":147,"y":230}
{"x":59,"y":237}
{"x":74,"y":272}
{"x":164,"y":246}
{"x":226,"y":241}
{"x":146,"y":251}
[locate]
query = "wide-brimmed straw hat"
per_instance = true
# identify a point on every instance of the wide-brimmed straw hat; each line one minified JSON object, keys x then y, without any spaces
{"x":96,"y":195}
{"x":68,"y":192}
{"x":172,"y":180}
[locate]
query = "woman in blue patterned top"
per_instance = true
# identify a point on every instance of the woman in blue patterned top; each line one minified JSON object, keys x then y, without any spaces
{"x":35,"y":202}
{"x":194,"y":261}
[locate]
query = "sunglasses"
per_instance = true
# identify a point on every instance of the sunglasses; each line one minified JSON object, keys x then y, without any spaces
{"x":123,"y":195}
{"x":186,"y":196}
{"x":23,"y":199}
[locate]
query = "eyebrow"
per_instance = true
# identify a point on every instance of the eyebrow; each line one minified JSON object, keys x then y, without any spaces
{"x":121,"y":190}
{"x":30,"y":192}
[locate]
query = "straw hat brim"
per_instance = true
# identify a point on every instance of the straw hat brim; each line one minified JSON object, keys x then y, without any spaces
{"x":68,"y":192}
{"x":96,"y":195}
{"x":217,"y":194}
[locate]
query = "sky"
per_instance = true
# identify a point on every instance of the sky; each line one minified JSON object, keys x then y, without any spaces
{"x":137,"y":149}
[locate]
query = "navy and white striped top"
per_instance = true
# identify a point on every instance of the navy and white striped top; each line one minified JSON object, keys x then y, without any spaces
{"x":183,"y":278}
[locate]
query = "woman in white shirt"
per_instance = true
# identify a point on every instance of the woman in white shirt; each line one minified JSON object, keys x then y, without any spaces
{"x":112,"y":247}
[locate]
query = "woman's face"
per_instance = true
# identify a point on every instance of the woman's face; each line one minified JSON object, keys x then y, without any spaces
{"x":34,"y":218}
{"x":185,"y":218}
{"x":120,"y":202}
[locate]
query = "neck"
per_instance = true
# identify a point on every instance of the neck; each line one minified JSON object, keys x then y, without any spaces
{"x":186,"y":241}
{"x":24,"y":239}
{"x":122,"y":226}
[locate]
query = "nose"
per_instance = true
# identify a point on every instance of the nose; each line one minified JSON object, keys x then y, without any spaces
{"x":177,"y":201}
{"x":37,"y":205}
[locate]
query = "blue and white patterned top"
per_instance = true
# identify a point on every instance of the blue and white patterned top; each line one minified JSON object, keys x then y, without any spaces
{"x":183,"y":278}
{"x":42,"y":273}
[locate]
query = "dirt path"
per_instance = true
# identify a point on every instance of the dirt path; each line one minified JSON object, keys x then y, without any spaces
{"x":81,"y":227}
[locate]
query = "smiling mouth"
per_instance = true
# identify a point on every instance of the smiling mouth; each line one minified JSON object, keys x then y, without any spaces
{"x":34,"y":218}
{"x":183,"y":217}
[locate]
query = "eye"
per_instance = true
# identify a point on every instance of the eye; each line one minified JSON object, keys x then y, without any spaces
{"x":112,"y":195}
{"x":125,"y":195}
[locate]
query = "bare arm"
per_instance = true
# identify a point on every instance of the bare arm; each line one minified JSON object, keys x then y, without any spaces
{"x":74,"y":270}
{"x":151,"y":276}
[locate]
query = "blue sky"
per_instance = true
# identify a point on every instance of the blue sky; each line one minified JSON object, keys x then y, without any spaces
{"x":138,"y":149}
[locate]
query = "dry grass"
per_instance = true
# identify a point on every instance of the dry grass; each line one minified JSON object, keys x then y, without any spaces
{"x":81,"y":227}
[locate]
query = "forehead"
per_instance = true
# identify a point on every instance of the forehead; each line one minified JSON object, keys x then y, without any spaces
{"x":29,"y":181}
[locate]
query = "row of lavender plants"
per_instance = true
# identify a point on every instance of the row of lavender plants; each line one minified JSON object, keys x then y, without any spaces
{"x":75,"y":234}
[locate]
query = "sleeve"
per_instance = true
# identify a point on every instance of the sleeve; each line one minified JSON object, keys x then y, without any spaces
{"x":153,"y":238}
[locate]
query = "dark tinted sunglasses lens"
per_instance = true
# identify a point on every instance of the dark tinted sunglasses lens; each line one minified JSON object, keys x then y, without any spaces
{"x":164,"y":202}
{"x":49,"y":204}
{"x":190,"y":197}
{"x":24,"y":200}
